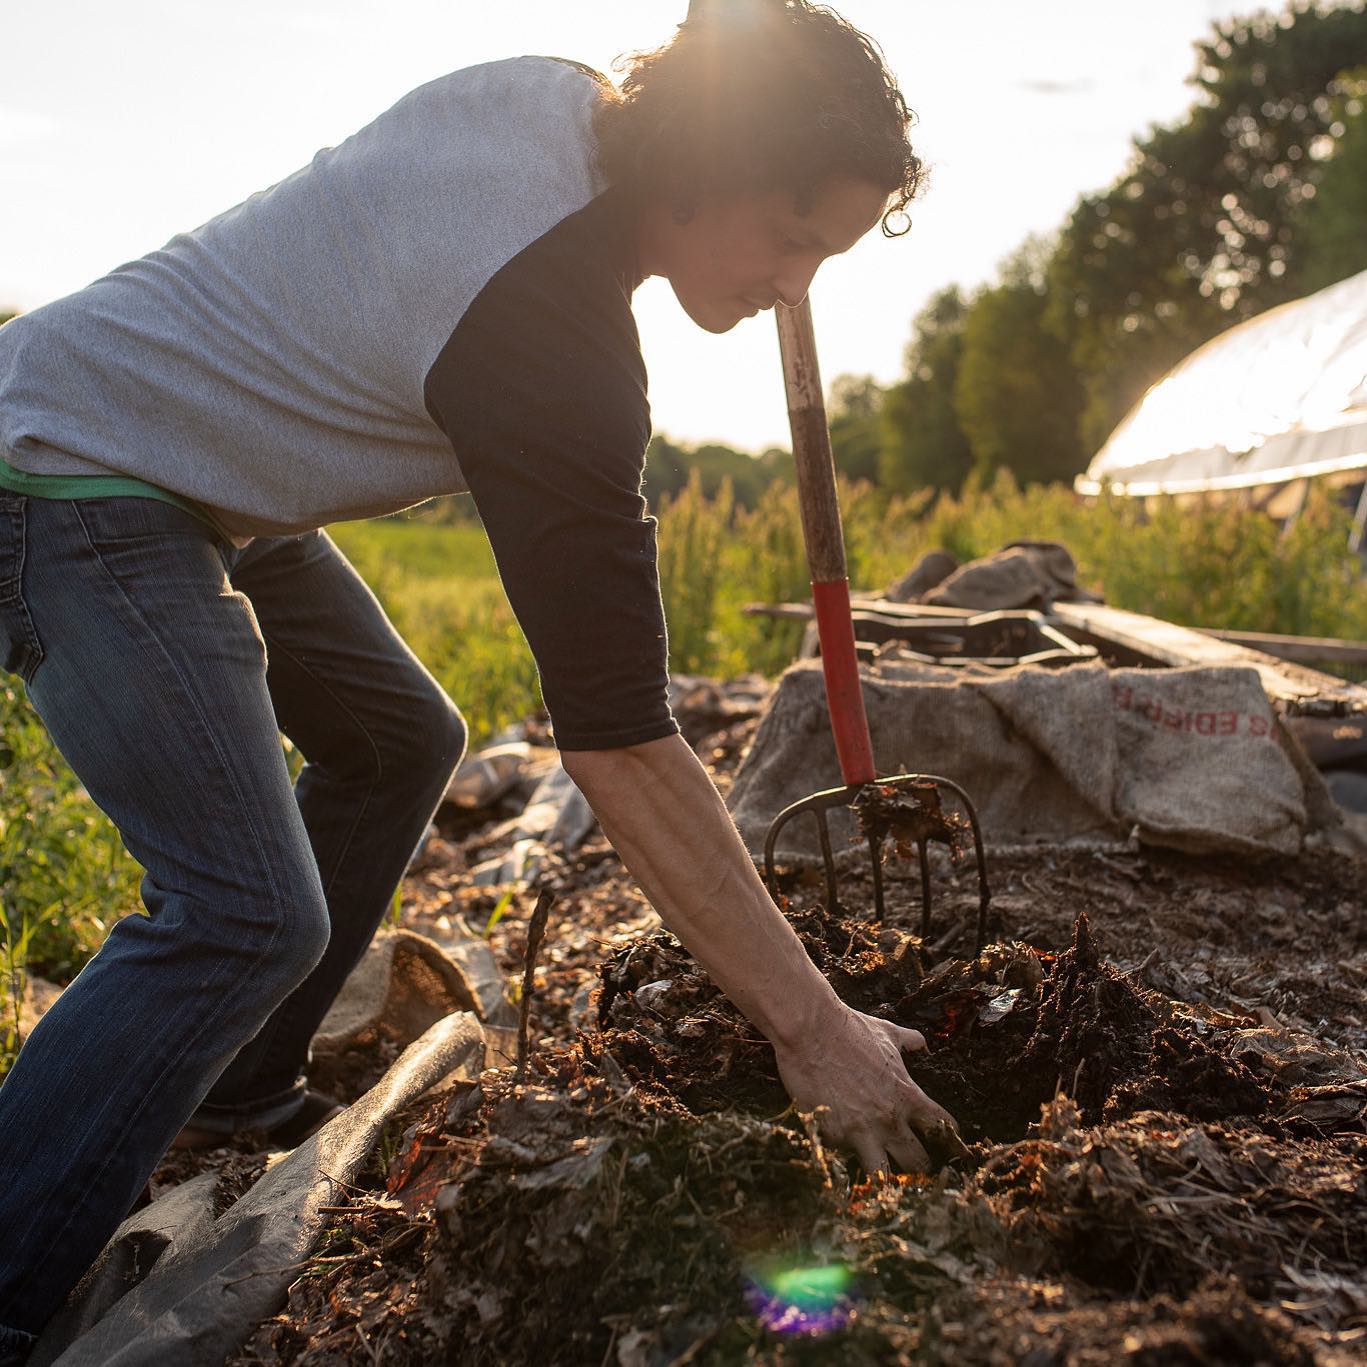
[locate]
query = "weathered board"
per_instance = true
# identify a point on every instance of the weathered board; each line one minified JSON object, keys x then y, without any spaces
{"x":1299,"y":688}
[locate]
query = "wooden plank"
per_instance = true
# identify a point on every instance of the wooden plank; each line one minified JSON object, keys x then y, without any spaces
{"x":802,"y":611}
{"x":1305,"y":649}
{"x":797,"y":612}
{"x":868,"y":603}
{"x":1155,"y":641}
{"x":1168,"y":644}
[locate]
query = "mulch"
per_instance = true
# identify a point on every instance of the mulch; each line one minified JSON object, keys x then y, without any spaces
{"x":1157,"y":1063}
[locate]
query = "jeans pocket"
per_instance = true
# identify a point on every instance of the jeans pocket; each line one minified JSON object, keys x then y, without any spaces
{"x":20,"y":650}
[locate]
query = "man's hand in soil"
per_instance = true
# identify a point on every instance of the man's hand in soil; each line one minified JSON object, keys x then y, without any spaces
{"x":856,"y":1082}
{"x":660,"y":810}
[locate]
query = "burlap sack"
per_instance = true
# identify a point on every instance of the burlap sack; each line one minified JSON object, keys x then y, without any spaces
{"x":403,"y":984}
{"x":1023,"y":574}
{"x":1009,"y":579}
{"x":1187,"y":757}
{"x":1205,"y":769}
{"x":933,"y":568}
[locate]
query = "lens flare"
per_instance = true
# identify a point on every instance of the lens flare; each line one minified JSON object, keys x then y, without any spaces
{"x":809,"y":1300}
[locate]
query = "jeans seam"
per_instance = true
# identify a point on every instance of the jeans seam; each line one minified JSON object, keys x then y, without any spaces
{"x":275,"y":646}
{"x":189,"y":694}
{"x":116,"y":1145}
{"x":30,"y":653}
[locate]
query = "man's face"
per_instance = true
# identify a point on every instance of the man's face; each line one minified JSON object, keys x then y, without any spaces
{"x":741,"y":253}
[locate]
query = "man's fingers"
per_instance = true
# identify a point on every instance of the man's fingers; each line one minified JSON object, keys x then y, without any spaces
{"x":910,"y":1041}
{"x":872,"y":1156}
{"x":941,"y":1137}
{"x":909,"y":1153}
{"x":929,"y":1115}
{"x":934,"y":1125}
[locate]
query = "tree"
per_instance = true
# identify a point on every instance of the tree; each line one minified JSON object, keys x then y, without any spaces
{"x":1333,"y":242}
{"x":1017,"y":395}
{"x":854,"y":412}
{"x":923,"y":445}
{"x":1198,"y":233}
{"x":669,"y":467}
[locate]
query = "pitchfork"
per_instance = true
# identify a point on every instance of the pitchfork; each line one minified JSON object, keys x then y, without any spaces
{"x":907,"y":806}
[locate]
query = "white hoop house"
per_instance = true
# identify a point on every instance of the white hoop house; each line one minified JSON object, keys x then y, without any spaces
{"x":1282,"y":397}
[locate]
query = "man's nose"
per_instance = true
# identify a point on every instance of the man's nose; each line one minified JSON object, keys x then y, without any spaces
{"x":791,"y":285}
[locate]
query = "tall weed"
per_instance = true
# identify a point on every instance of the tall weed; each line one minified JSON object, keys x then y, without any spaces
{"x":694,"y":532}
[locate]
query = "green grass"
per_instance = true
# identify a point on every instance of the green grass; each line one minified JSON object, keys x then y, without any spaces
{"x":65,"y":878}
{"x":441,"y":590}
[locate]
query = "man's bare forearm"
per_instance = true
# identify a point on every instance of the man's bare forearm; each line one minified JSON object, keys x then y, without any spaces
{"x":665,"y":818}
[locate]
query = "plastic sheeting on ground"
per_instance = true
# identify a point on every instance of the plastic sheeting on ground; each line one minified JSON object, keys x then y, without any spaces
{"x":557,"y":815}
{"x":214,"y":1280}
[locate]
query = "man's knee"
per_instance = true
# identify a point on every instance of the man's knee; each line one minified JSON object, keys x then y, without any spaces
{"x":273,"y":930}
{"x":434,"y":743}
{"x":449,"y":737}
{"x":304,"y":936}
{"x":415,"y":742}
{"x":296,"y":923}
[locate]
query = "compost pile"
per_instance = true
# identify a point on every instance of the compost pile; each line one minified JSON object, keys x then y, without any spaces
{"x":1156,"y":1063}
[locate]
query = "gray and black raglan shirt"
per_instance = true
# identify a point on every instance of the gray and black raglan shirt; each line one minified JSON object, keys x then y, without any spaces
{"x":439,"y":304}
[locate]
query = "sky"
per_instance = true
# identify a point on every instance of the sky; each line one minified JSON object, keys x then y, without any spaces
{"x":122,"y":124}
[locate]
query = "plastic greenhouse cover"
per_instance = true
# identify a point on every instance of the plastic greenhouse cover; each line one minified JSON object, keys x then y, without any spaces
{"x":1280,"y":397}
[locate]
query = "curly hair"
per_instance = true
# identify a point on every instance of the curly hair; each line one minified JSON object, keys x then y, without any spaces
{"x":759,"y":95}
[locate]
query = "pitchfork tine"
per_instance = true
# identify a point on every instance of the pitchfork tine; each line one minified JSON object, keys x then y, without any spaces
{"x":876,"y":850}
{"x":925,"y":889}
{"x":832,"y":899}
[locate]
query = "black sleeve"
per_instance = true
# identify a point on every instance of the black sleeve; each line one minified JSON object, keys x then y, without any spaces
{"x":542,"y":392}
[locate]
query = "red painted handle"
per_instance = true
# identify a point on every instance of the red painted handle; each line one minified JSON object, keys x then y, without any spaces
{"x":840,"y":664}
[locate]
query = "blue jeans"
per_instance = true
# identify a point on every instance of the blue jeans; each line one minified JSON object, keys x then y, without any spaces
{"x":164,"y":663}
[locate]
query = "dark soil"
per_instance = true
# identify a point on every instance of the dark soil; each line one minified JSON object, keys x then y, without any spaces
{"x":1008,"y":1031}
{"x":1136,"y":1189}
{"x":1156,"y":1065}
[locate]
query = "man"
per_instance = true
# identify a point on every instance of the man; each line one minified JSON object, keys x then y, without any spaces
{"x":440,"y":303}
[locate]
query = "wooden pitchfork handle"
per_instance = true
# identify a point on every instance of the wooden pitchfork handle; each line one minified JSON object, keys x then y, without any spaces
{"x":825,"y":541}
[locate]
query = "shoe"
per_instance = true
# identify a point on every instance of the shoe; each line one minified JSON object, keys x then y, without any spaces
{"x":317,"y":1110}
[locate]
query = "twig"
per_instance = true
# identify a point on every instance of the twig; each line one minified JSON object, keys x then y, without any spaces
{"x":365,"y":1343}
{"x":694,"y":1348}
{"x":945,"y":940}
{"x":536,"y":930}
{"x":808,"y":1119}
